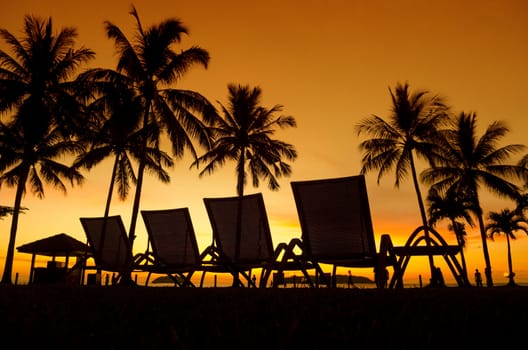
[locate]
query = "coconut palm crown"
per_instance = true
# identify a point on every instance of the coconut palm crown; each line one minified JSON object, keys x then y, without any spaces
{"x":244,"y":135}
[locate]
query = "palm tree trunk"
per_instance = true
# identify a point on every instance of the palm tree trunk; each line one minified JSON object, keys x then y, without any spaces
{"x":463,"y":258}
{"x":111,"y":188}
{"x":460,"y":241}
{"x":240,"y":192}
{"x":423,"y":215}
{"x":510,"y":264}
{"x":107,"y":211}
{"x":139,"y":184}
{"x":8,"y":268}
{"x":487,"y":270}
{"x":127,"y":278}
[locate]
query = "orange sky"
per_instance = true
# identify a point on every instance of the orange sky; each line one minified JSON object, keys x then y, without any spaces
{"x":329,"y":63}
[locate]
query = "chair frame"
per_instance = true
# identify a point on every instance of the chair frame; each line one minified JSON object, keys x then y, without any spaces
{"x":368,"y":257}
{"x":278,"y":259}
{"x":179,"y":272}
{"x":130,"y":262}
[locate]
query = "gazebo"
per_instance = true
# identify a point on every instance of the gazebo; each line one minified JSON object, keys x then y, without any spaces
{"x":59,"y":245}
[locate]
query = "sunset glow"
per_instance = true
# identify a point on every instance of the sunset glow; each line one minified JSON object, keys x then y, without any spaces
{"x":330,"y":64}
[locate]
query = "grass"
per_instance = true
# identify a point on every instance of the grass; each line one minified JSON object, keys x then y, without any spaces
{"x":119,"y":317}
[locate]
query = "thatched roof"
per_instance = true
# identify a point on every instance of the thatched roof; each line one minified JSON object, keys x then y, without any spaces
{"x":58,"y":245}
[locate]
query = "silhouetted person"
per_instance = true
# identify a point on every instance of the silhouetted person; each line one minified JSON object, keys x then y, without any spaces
{"x":478,"y":278}
{"x":350,"y":281}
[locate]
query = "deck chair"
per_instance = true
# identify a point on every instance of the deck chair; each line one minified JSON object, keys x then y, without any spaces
{"x":174,"y":250}
{"x":242,"y":240}
{"x":109,"y":244}
{"x":337,"y":229}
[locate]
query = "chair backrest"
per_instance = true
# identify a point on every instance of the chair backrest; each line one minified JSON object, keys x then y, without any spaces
{"x":247,"y":213}
{"x":108,"y":241}
{"x":172,"y":236}
{"x":335,"y":218}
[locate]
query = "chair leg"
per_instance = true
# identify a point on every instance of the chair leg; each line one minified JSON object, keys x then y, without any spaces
{"x":148,"y":278}
{"x":202,"y":279}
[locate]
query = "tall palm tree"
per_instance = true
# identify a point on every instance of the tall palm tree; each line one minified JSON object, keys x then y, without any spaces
{"x":149,"y":65}
{"x":471,"y":162}
{"x":36,"y":84}
{"x":453,"y":206}
{"x":506,"y":222}
{"x":408,"y":134}
{"x":244,"y":134}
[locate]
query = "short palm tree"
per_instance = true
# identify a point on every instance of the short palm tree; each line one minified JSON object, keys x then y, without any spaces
{"x":149,"y":65}
{"x":36,"y":84}
{"x":115,"y":133}
{"x":408,"y":134}
{"x":471,"y":162}
{"x":244,"y":134}
{"x":454,"y":207}
{"x":34,"y":166}
{"x":506,"y":222}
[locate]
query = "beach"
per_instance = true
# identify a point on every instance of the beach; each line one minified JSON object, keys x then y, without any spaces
{"x":136,"y":317}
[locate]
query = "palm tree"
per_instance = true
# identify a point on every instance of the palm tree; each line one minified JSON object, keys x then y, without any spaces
{"x":35,"y":84}
{"x":507,"y":222}
{"x":243,"y":134}
{"x":116,"y":133}
{"x":408,"y":133}
{"x":470,"y":162}
{"x":149,"y":65}
{"x":452,"y":206}
{"x":34,"y":165}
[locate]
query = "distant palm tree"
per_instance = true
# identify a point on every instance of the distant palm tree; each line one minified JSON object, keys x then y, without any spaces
{"x":408,"y":133}
{"x":150,"y":65}
{"x":506,"y":222}
{"x":453,"y":206}
{"x":470,"y":162}
{"x":244,"y":134}
{"x":35,"y":83}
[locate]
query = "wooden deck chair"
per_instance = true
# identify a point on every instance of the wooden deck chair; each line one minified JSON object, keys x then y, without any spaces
{"x":242,"y":239}
{"x":421,"y":244}
{"x":109,"y":243}
{"x":337,"y":228}
{"x":174,"y":250}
